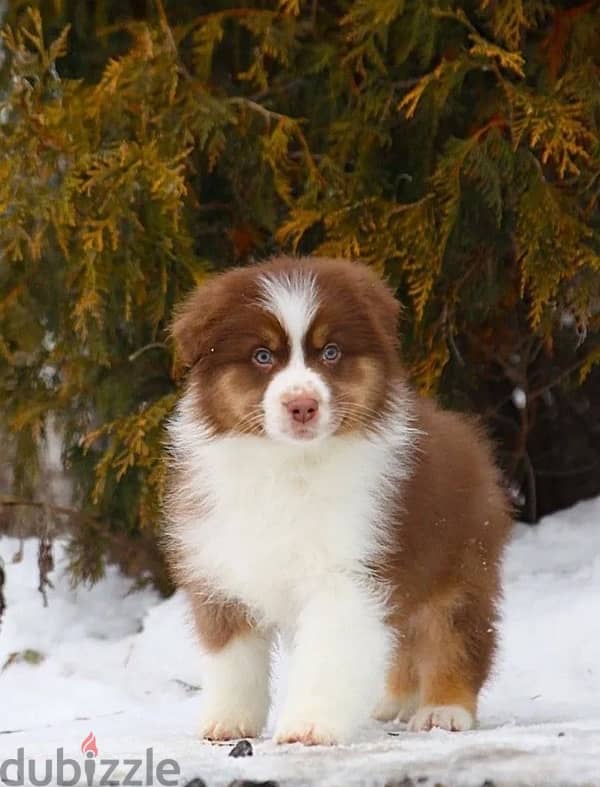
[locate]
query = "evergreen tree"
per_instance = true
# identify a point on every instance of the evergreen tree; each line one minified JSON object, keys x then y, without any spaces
{"x":454,"y":146}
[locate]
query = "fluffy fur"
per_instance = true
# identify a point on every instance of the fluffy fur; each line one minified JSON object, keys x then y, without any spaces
{"x":314,"y":494}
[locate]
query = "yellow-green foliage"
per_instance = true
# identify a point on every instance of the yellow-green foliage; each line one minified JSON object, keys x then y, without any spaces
{"x":454,"y":146}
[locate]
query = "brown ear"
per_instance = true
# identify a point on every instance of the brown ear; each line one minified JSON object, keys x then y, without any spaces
{"x":193,"y":318}
{"x":384,"y":304}
{"x":388,"y":309}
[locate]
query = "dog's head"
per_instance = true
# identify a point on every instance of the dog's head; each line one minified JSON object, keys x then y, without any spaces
{"x":296,"y":350}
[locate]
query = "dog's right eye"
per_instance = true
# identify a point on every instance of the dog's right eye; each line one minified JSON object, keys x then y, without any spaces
{"x":263,"y":357}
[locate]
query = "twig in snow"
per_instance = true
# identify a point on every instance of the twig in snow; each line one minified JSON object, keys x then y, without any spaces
{"x":45,"y":563}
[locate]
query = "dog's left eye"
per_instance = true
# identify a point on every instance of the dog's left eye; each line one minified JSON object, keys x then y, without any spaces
{"x":331,"y":353}
{"x":263,"y":357}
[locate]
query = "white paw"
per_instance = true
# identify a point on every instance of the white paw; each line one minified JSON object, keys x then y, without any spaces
{"x":447,"y":717}
{"x":307,"y":733}
{"x":315,"y":726}
{"x":394,"y":709}
{"x":226,"y":731}
{"x":225,"y":725}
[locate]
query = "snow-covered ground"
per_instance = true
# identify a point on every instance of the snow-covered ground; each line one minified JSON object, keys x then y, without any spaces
{"x":124,"y":666}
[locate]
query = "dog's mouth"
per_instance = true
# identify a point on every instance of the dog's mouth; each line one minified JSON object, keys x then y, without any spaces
{"x":302,"y":434}
{"x":309,"y":433}
{"x":305,"y":434}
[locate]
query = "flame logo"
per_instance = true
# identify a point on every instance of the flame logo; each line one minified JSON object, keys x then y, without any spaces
{"x":89,"y":744}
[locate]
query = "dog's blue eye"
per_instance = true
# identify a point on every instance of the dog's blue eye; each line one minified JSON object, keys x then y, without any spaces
{"x":263,"y":357}
{"x":331,"y":352}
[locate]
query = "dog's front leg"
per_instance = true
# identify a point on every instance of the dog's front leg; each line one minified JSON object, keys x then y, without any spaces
{"x":235,"y":668}
{"x":235,"y":701}
{"x":338,"y":663}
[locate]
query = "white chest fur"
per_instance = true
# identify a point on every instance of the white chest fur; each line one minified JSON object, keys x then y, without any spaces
{"x":271,"y":522}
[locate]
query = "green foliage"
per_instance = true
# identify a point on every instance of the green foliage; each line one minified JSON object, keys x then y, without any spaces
{"x":454,"y":146}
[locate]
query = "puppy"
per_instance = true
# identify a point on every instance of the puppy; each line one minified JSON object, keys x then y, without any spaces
{"x":315,"y":495}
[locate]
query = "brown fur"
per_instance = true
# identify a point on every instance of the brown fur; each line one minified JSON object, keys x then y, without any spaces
{"x":217,"y":621}
{"x":453,"y":523}
{"x":231,"y":388}
{"x":451,"y":519}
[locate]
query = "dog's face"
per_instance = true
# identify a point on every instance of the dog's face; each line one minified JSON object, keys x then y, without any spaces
{"x":295,"y":350}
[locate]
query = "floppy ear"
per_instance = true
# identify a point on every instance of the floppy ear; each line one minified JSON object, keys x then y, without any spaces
{"x":190,"y":327}
{"x":387,"y":308}
{"x":382,"y":301}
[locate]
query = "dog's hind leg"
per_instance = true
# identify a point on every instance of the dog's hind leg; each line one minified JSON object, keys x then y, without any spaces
{"x":454,"y":647}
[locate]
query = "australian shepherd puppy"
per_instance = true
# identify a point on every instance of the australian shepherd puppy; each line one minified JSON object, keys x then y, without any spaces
{"x":315,"y":495}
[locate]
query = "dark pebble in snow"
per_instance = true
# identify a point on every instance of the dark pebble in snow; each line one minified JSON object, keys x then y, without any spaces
{"x":242,"y":749}
{"x":488,"y":783}
{"x":561,"y":735}
{"x":250,"y":783}
{"x":196,"y":783}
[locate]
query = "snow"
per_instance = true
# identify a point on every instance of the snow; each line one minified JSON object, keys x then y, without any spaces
{"x":124,"y":665}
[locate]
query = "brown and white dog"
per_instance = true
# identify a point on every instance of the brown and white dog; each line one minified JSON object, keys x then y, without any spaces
{"x":315,"y":495}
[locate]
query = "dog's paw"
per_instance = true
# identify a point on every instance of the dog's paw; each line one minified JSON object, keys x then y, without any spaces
{"x":306,"y":733}
{"x":221,"y":724}
{"x":227,"y":731}
{"x":219,"y":731}
{"x":395,"y":709}
{"x":454,"y":718}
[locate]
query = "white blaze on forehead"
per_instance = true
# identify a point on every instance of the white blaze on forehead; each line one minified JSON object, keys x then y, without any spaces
{"x":292,"y":299}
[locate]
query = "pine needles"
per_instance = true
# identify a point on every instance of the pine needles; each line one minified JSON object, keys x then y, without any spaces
{"x":455,"y":147}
